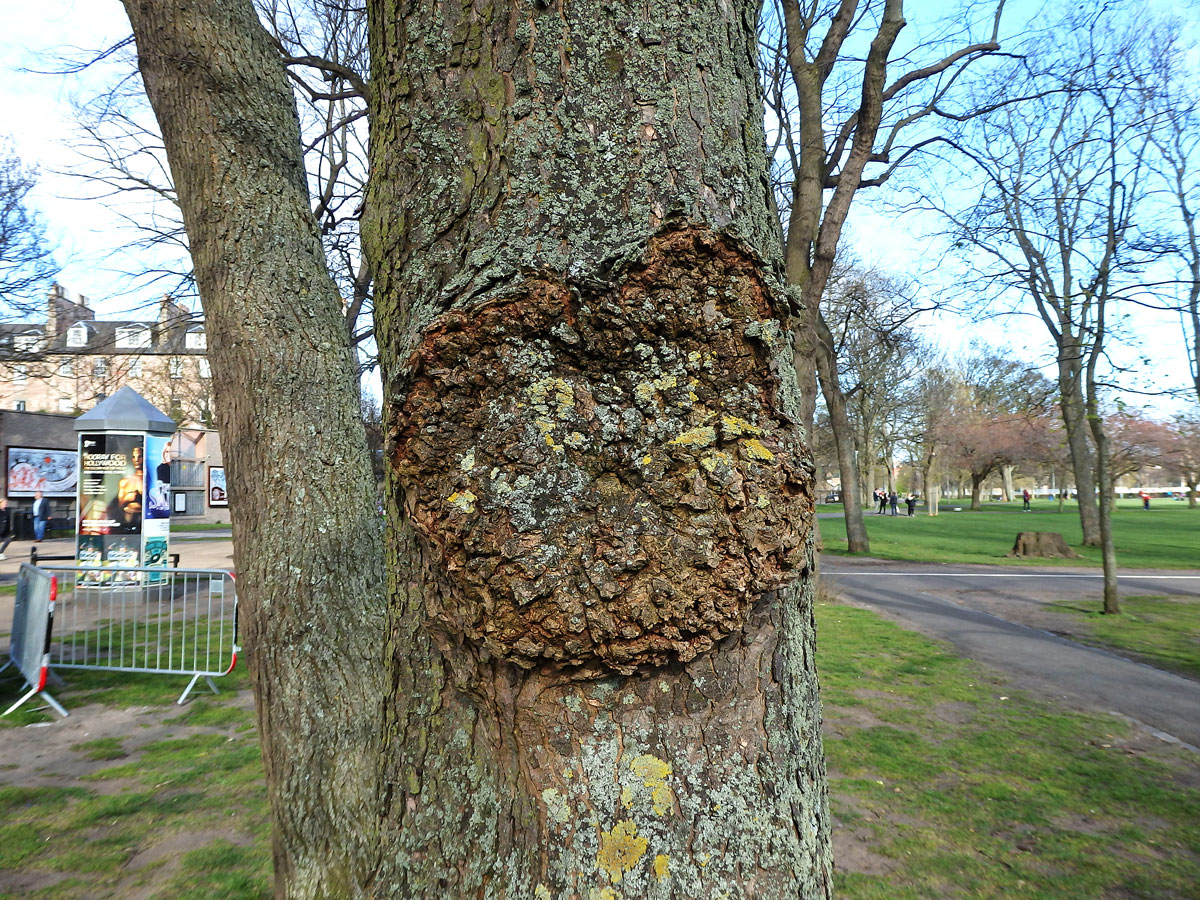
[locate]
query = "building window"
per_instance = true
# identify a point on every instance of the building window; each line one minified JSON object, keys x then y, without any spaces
{"x":20,"y":374}
{"x":205,"y":370}
{"x":19,"y":406}
{"x":100,"y":367}
{"x":176,"y":367}
{"x":133,"y":336}
{"x":66,"y":405}
{"x":196,"y":340}
{"x":66,"y":367}
{"x":135,"y":367}
{"x":77,"y":336}
{"x":28,"y":343}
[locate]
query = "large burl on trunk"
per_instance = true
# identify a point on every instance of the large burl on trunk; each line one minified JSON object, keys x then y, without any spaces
{"x":601,"y":503}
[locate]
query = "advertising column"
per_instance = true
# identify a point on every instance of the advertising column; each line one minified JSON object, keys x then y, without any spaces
{"x":156,"y":525}
{"x":112,"y":487}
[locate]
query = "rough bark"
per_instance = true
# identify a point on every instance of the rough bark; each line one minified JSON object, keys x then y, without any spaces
{"x":307,"y":545}
{"x":601,"y":556}
{"x":977,"y":490}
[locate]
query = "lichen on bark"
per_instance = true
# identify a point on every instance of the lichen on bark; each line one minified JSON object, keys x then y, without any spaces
{"x":604,"y":474}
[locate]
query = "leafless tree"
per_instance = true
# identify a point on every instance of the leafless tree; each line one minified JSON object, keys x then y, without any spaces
{"x":851,"y":104}
{"x":1051,"y":209}
{"x":26,"y":265}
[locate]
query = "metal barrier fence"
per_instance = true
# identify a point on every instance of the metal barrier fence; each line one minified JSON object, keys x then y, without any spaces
{"x":163,"y":621}
{"x":29,"y":642}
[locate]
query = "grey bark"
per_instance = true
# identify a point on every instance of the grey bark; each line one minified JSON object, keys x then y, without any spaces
{"x":539,"y":172}
{"x":307,"y":546}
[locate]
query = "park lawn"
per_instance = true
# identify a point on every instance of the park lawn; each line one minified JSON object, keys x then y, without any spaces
{"x":946,"y":784}
{"x":1162,"y":631}
{"x":1167,"y":536}
{"x":943,"y":784}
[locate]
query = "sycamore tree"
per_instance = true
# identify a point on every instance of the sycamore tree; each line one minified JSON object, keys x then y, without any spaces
{"x":580,"y":662}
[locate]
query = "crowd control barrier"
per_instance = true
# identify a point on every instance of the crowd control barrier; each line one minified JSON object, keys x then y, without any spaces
{"x":148,"y":620}
{"x":29,"y":642}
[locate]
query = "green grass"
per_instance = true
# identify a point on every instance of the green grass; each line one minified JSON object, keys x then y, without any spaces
{"x":959,"y":788}
{"x":953,"y":785}
{"x":1167,"y":536}
{"x":1163,"y":631}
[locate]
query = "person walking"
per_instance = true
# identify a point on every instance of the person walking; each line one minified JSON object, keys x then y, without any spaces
{"x":41,"y":515}
{"x":1025,"y":498}
{"x":911,"y":502}
{"x":893,"y":501}
{"x":1145,"y":500}
{"x":6,"y":531}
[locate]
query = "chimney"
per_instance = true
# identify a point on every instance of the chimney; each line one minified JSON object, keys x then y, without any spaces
{"x":62,"y":313}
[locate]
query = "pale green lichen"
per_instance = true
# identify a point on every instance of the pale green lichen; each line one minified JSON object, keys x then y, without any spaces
{"x":556,"y":805}
{"x":463,"y":500}
{"x":551,"y":390}
{"x":467,"y":463}
{"x":541,"y":892}
{"x":715,"y":459}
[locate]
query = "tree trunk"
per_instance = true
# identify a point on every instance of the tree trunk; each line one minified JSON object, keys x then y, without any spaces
{"x":843,"y":439}
{"x":1006,"y":482}
{"x":932,"y":489}
{"x":1082,"y":461}
{"x":308,"y":544}
{"x":602,"y":673}
{"x":1108,"y":556}
{"x":977,"y":491}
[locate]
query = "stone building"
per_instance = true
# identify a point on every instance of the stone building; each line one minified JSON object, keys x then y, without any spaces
{"x":68,"y":363}
{"x":72,"y":360}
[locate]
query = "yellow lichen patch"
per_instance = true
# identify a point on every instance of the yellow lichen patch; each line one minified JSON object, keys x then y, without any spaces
{"x":662,"y":867}
{"x":620,"y":850}
{"x":603,"y":894}
{"x":714,"y":459}
{"x":545,"y":426}
{"x":733,"y":427}
{"x":654,"y":773}
{"x":754,"y":449}
{"x":696,"y":437}
{"x":541,"y":892}
{"x":464,"y":501}
{"x":575,"y":440}
{"x":647,"y":459}
{"x":762,"y":502}
{"x":627,"y":797}
{"x":644,"y":392}
{"x":555,"y":390}
{"x":551,"y":444}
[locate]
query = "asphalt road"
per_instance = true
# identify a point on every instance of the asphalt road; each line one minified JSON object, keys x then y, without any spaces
{"x":936,"y":600}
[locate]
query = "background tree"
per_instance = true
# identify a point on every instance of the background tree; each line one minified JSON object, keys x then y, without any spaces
{"x":26,"y":266}
{"x":1185,"y":455}
{"x":844,"y":123}
{"x":599,"y":505}
{"x":1061,"y":180}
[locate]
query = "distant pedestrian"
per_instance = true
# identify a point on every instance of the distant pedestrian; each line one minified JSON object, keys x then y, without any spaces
{"x":1026,"y":497}
{"x":911,"y":502}
{"x":1145,"y":500}
{"x":893,"y":501}
{"x":6,"y":531}
{"x":881,"y":496}
{"x":41,"y":515}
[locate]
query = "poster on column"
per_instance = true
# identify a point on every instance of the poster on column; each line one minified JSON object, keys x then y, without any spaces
{"x":156,"y":525}
{"x":111,"y":499}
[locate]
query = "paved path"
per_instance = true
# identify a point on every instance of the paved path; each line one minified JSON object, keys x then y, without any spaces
{"x":197,"y":550}
{"x":919,"y":595}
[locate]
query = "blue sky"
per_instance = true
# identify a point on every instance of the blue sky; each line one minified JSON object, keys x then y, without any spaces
{"x":37,"y":114}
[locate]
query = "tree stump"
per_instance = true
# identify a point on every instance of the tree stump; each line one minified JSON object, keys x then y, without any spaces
{"x":1045,"y":544}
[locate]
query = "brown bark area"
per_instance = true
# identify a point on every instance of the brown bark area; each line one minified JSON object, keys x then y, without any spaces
{"x":1042,"y":544}
{"x":307,"y":540}
{"x":602,"y":613}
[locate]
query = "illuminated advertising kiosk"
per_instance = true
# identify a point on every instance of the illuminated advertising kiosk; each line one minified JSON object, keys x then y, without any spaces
{"x":124,"y":485}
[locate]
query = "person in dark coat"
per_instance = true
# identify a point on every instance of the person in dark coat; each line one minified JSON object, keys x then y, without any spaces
{"x":893,"y":501}
{"x":6,"y":530}
{"x":41,"y":515}
{"x":911,"y":502}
